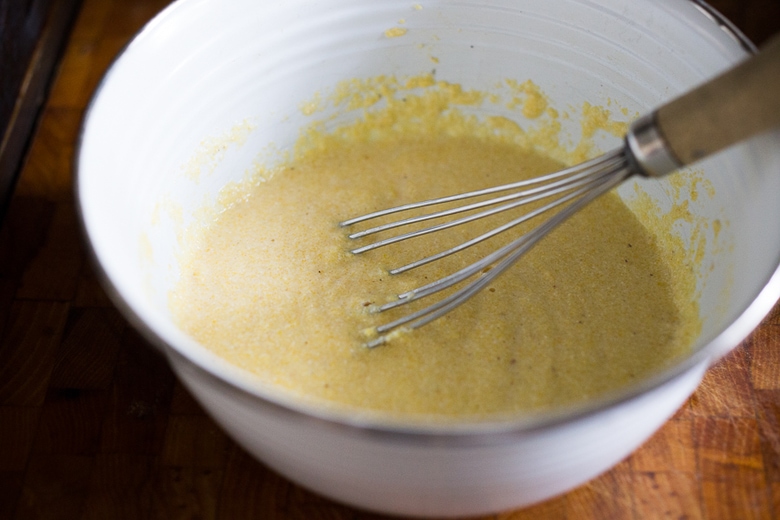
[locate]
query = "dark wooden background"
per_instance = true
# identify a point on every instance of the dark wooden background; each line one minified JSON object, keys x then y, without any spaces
{"x":32,"y":37}
{"x":21,"y":25}
{"x":93,"y":424}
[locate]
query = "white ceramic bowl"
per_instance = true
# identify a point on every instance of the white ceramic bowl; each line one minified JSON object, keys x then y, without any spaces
{"x":206,"y":71}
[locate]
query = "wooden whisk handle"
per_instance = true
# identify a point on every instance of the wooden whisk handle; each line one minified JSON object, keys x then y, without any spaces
{"x":738,"y":104}
{"x":741,"y":103}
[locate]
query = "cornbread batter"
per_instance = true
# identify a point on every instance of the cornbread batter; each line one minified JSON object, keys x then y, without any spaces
{"x":269,"y":285}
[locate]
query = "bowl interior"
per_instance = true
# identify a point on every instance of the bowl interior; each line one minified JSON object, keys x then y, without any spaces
{"x":209,"y":87}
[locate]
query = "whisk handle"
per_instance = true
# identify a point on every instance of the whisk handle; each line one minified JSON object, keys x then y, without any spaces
{"x":734,"y":106}
{"x":741,"y":103}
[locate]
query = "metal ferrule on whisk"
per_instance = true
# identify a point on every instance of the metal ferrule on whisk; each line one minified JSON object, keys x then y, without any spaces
{"x":648,"y":150}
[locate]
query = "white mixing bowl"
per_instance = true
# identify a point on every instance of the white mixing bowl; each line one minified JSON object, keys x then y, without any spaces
{"x":208,"y":84}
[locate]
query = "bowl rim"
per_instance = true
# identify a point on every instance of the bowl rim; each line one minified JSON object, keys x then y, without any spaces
{"x":463,"y":433}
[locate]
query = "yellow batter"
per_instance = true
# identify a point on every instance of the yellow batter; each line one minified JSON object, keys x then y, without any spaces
{"x":270,"y":286}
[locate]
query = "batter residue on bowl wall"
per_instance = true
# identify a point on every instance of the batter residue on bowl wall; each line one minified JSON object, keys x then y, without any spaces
{"x":268,"y":284}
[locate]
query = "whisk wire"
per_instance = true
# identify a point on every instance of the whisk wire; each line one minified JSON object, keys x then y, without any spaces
{"x":593,"y":164}
{"x":568,"y":179}
{"x":479,"y":265}
{"x":611,"y":171}
{"x":583,"y":187}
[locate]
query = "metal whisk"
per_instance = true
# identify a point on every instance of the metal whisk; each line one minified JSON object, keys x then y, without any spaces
{"x":741,"y":103}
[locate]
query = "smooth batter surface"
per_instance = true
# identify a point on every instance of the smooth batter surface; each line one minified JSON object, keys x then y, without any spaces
{"x":269,"y":285}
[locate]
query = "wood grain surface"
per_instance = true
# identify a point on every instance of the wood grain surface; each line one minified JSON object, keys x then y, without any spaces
{"x":94,"y":425}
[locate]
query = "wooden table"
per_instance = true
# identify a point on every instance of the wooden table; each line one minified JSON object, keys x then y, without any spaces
{"x":94,"y":425}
